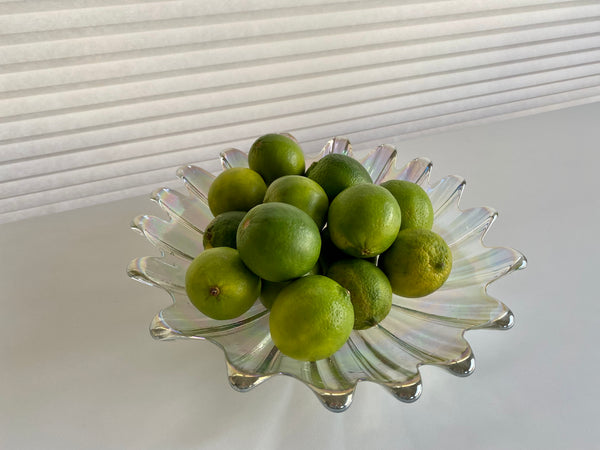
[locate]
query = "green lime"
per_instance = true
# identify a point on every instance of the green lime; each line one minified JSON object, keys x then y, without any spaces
{"x":417,"y":211}
{"x":302,"y":193}
{"x":219,"y":284}
{"x":329,"y":252}
{"x":418,"y":262}
{"x":278,"y":241}
{"x":336,"y":172}
{"x":236,"y":189}
{"x":370,"y":290}
{"x":312,"y":318}
{"x":270,"y":290}
{"x":364,"y":220}
{"x":276,"y":155}
{"x":222,"y":230}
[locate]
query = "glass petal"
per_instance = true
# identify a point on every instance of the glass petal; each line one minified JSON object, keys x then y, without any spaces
{"x":429,"y":341}
{"x":407,"y":392}
{"x":416,"y":171}
{"x":379,"y":162}
{"x":189,"y":211}
{"x":182,"y":319}
{"x":171,"y":237}
{"x":482,"y":268}
{"x":380,"y":357}
{"x":233,"y":157}
{"x":242,"y":381}
{"x":455,"y":225}
{"x":196,"y":180}
{"x":337,"y":145}
{"x":466,"y":307}
{"x":323,"y":374}
{"x":251,"y":349}
{"x":464,"y":366}
{"x":158,"y":272}
{"x":446,"y":192}
{"x":335,"y":401}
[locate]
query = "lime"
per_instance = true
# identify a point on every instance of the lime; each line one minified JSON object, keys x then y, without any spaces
{"x":222,"y":230}
{"x":312,"y":318}
{"x":271,"y":289}
{"x":236,"y":189}
{"x":370,"y":290}
{"x":329,"y":252}
{"x":302,"y":193}
{"x":336,"y":172}
{"x":418,"y":262}
{"x":276,"y":155}
{"x":219,"y":284}
{"x":278,"y":241}
{"x":417,"y":211}
{"x":364,"y":220}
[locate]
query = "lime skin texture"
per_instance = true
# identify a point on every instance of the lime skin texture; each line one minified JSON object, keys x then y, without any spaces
{"x":222,"y":230}
{"x":364,"y":220}
{"x":336,"y":172}
{"x":418,"y":262}
{"x":370,"y":290}
{"x":416,"y":207}
{"x":236,"y":189}
{"x":275,"y":155}
{"x":219,"y":285}
{"x":278,"y":241}
{"x":311,"y":318}
{"x":301,"y":192}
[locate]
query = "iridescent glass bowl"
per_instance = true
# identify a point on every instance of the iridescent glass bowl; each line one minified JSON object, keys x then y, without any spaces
{"x":417,"y":331}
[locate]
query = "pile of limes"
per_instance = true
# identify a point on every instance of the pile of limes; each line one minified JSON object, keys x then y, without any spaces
{"x":323,"y":249}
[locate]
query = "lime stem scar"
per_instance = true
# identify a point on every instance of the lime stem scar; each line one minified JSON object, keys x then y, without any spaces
{"x":214,"y":291}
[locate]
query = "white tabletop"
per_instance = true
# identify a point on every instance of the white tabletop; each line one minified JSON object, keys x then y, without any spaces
{"x":80,"y":370}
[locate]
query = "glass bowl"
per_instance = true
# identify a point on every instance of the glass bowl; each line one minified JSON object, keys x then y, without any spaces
{"x":427,"y":330}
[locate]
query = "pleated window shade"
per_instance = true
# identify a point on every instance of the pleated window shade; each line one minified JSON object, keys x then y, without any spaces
{"x":101,"y":99}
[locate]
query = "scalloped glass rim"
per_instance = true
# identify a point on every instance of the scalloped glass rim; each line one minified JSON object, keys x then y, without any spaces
{"x":428,"y":330}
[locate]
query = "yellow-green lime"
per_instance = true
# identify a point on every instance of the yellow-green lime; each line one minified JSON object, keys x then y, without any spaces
{"x":278,"y":241}
{"x":302,"y":193}
{"x":236,"y":189}
{"x":222,"y":230}
{"x":418,"y":262}
{"x":219,"y":284}
{"x":336,"y":172}
{"x":364,"y":220}
{"x":312,"y":318}
{"x":417,"y":211}
{"x":271,"y":289}
{"x":370,"y":290}
{"x":276,"y":155}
